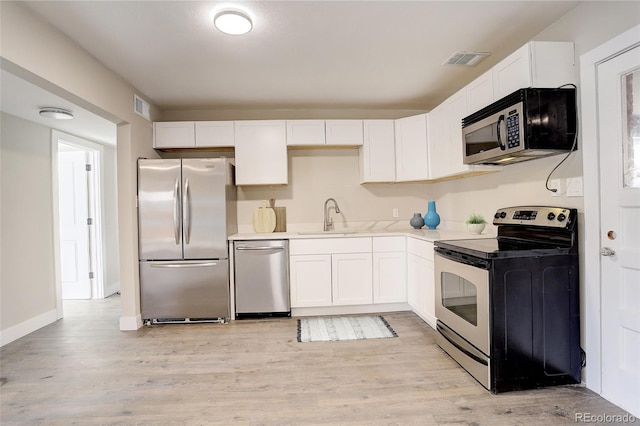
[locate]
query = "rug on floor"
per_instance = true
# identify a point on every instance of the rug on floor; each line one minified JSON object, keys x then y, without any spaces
{"x":330,"y":329}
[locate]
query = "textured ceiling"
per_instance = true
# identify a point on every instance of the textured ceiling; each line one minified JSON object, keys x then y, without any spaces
{"x":300,"y":54}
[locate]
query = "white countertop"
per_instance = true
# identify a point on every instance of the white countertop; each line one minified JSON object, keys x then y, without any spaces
{"x":423,"y":234}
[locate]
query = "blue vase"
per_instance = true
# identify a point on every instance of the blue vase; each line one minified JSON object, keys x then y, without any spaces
{"x":416,"y":221}
{"x":431,"y":218}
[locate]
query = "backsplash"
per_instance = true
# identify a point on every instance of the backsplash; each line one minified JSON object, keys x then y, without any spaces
{"x":317,"y":174}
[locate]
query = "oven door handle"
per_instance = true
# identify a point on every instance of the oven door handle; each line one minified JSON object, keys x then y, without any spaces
{"x":464,"y":348}
{"x":467,"y":260}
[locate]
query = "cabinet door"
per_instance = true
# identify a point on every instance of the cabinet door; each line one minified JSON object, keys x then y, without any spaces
{"x":456,"y":110}
{"x":445,"y":141}
{"x":512,"y":73}
{"x":344,"y":132}
{"x":173,"y":134}
{"x":480,"y":92}
{"x":389,"y":277}
{"x":421,"y":290}
{"x":438,"y":141}
{"x":352,"y":279}
{"x":310,"y":277}
{"x":215,"y":134}
{"x":377,"y":155}
{"x":536,"y":64}
{"x":261,"y":152}
{"x":305,"y":132}
{"x":411,"y":148}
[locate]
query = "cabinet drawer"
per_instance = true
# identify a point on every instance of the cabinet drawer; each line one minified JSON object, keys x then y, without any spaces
{"x":420,"y":248}
{"x":330,"y":245}
{"x":388,"y":244}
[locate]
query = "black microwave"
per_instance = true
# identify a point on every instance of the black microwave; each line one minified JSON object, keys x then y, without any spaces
{"x":529,"y":123}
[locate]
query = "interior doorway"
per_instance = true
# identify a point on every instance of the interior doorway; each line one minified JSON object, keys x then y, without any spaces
{"x":85,"y":212}
{"x":80,"y":273}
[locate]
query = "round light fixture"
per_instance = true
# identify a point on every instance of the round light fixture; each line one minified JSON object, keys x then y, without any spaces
{"x":57,"y":113}
{"x":232,"y":22}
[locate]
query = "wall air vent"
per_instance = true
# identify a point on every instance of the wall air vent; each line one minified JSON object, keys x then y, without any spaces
{"x":467,"y":59}
{"x":141,"y":107}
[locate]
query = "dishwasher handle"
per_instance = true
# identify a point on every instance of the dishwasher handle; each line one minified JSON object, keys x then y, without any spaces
{"x":258,"y":248}
{"x":183,"y":265}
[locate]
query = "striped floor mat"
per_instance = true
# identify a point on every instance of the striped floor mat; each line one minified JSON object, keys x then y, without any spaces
{"x":329,"y":329}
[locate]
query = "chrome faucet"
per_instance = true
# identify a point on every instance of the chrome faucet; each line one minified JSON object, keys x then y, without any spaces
{"x":328,"y":221}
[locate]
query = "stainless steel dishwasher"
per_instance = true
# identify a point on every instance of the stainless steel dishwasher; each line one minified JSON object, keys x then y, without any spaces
{"x":262,"y":278}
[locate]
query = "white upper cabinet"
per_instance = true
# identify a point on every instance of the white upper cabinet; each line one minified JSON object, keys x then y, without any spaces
{"x":377,"y":154}
{"x":445,"y":141}
{"x":480,"y":92}
{"x":411,"y":148}
{"x":261,"y":152}
{"x":189,"y":134}
{"x":536,"y":64}
{"x":174,"y":134}
{"x":305,"y":132}
{"x":445,"y":138}
{"x":344,"y":132}
{"x":214,"y":134}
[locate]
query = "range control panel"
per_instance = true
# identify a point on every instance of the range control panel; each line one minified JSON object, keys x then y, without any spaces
{"x":556,"y":217}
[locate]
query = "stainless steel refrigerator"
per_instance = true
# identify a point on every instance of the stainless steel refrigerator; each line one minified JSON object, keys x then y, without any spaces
{"x":186,"y":211}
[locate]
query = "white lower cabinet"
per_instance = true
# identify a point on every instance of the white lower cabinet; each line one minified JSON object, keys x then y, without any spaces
{"x":351,"y":279}
{"x":389,"y":277}
{"x":330,"y":272}
{"x":421,"y":279}
{"x":389,"y":270}
{"x":310,"y":280}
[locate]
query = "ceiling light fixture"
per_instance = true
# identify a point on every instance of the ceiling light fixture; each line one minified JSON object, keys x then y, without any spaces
{"x":57,"y":113}
{"x":232,"y":22}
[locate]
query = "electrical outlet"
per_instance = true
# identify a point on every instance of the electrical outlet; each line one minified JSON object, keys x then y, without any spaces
{"x":574,"y":187}
{"x":396,"y":213}
{"x":555,"y":184}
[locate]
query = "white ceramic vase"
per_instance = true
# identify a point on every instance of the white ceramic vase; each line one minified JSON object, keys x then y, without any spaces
{"x":476,"y":228}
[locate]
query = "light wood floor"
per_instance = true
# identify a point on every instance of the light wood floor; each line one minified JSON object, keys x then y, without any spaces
{"x":82,"y":370}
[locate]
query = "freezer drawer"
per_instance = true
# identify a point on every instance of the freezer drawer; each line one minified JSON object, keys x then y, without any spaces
{"x":184,"y":289}
{"x":262,"y":278}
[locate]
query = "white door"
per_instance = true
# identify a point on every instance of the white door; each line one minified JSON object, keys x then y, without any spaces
{"x":619,"y":120}
{"x":74,"y":232}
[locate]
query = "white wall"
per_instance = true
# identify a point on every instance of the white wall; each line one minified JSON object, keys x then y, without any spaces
{"x":317,"y":174}
{"x":110,"y":204}
{"x":28,"y":299}
{"x":39,"y":53}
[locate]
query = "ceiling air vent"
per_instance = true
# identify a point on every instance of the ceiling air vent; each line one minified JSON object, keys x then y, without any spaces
{"x":467,"y":59}
{"x":141,"y":107}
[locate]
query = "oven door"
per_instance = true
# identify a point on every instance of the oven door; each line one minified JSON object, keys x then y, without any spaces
{"x":462,"y":300}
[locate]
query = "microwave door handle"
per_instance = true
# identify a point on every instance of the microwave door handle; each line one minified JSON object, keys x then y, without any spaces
{"x":500,"y":123}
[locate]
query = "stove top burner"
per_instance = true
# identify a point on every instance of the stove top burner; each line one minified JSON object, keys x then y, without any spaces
{"x":488,"y":248}
{"x":522,"y":232}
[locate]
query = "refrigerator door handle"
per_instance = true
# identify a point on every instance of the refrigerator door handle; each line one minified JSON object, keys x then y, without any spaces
{"x":182,"y":265}
{"x":176,"y":211}
{"x":186,"y":212}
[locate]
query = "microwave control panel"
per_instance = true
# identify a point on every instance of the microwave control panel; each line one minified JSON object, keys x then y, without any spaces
{"x":513,"y":129}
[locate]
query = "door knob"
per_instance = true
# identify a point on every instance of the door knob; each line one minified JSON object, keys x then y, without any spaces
{"x":606,"y":251}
